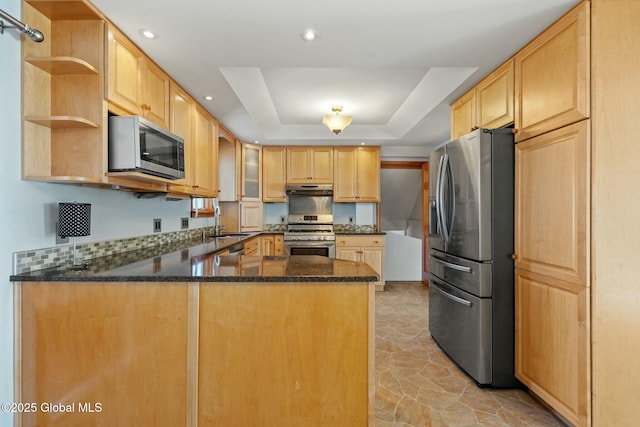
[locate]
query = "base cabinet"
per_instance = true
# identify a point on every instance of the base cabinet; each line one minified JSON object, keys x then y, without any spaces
{"x":368,"y":249}
{"x":553,"y":343}
{"x":196,"y":354}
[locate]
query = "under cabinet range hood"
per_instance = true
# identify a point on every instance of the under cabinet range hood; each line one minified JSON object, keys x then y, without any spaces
{"x":309,"y":190}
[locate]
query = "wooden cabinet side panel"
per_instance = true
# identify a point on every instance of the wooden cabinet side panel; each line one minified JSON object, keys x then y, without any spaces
{"x":289,"y":372}
{"x":203,"y":151}
{"x":552,"y":204}
{"x":123,"y":345}
{"x":553,"y":343}
{"x":616,"y":210}
{"x":552,"y":76}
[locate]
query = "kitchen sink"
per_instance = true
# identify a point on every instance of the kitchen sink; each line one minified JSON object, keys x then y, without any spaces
{"x":232,"y":235}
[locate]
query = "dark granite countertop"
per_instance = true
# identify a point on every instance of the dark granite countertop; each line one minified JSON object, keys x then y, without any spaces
{"x":198,"y":262}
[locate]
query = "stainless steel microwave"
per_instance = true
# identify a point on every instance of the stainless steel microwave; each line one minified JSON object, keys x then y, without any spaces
{"x":138,"y":145}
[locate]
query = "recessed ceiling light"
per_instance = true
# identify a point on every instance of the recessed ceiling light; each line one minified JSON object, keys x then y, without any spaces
{"x":362,"y":143}
{"x":209,"y":98}
{"x":309,"y":35}
{"x":148,"y":34}
{"x":256,"y":142}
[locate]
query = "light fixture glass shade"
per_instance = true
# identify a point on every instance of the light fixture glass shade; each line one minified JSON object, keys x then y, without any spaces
{"x":336,"y":123}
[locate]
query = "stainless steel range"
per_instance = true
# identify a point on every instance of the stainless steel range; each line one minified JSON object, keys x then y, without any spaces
{"x":310,"y":222}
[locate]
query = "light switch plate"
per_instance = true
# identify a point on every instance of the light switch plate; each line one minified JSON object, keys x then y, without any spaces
{"x":184,"y":223}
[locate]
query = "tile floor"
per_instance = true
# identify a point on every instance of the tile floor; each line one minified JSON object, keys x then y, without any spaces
{"x":417,"y":385}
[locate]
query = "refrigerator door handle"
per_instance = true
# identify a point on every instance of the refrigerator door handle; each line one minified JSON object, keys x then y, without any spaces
{"x":439,"y":217}
{"x":452,"y":265}
{"x":441,"y":207}
{"x":451,"y":297}
{"x":452,"y":199}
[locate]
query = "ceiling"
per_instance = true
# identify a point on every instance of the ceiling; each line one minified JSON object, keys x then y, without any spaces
{"x":394,"y":66}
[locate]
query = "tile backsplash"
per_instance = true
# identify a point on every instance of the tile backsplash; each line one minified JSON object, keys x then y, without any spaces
{"x":37,"y":259}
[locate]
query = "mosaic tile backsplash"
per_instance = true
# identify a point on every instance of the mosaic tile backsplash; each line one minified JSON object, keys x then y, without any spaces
{"x":37,"y":259}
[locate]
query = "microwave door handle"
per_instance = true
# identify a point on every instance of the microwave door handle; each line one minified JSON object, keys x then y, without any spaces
{"x":448,"y":295}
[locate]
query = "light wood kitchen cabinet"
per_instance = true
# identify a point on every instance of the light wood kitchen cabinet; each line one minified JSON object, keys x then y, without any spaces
{"x":356,"y":174}
{"x":136,"y":84}
{"x":124,"y":345}
{"x":494,"y":97}
{"x":229,"y":166}
{"x":490,"y":104}
{"x":251,"y":217}
{"x":274,"y":174}
{"x":205,"y":159}
{"x":181,"y":121}
{"x":552,"y":76}
{"x":63,"y":138}
{"x":463,"y":115}
{"x":251,"y":179}
{"x":367,"y":249}
{"x":310,"y":165}
{"x":553,"y":342}
{"x":272,"y":245}
{"x":552,"y":204}
{"x":123,"y":87}
{"x":252,"y":247}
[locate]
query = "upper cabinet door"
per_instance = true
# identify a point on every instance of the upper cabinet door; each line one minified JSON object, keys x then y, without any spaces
{"x":154,"y":85}
{"x":463,"y":115}
{"x":494,"y":96}
{"x":181,"y":123}
{"x":124,"y":72}
{"x":307,"y":165}
{"x":274,"y":178}
{"x":552,"y":76}
{"x":251,"y":172}
{"x":368,"y":174}
{"x":321,"y":165}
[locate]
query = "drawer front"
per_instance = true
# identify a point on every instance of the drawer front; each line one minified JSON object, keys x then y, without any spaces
{"x":360,"y":240}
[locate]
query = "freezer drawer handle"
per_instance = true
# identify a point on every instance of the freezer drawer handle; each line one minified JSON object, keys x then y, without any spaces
{"x":452,"y":297}
{"x":452,"y":266}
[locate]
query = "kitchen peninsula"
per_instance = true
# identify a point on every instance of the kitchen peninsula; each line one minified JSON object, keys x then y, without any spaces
{"x":192,"y":338}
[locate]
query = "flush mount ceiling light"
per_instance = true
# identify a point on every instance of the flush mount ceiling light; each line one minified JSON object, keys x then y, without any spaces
{"x":336,"y":123}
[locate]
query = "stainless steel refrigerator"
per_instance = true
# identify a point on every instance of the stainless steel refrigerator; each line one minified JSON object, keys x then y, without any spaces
{"x":471,"y":290}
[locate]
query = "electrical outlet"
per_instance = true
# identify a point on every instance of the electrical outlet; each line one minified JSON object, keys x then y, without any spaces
{"x":60,"y":240}
{"x":184,"y":223}
{"x":157,"y":225}
{"x":282,"y":219}
{"x":350,"y":220}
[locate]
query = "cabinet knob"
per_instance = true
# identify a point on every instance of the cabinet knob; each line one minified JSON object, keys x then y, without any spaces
{"x":514,"y":256}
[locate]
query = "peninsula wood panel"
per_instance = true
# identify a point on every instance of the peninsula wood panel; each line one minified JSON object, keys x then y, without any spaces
{"x":123,"y":345}
{"x":616,"y":209}
{"x":552,"y":204}
{"x":263,"y":346}
{"x":552,"y":76}
{"x":553,"y":343}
